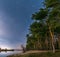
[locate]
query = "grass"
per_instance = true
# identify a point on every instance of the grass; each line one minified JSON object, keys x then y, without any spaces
{"x":46,"y":54}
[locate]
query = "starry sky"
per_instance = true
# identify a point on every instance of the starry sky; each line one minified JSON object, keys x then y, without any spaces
{"x":15,"y":19}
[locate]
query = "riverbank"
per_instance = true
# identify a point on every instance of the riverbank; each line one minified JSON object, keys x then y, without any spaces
{"x":36,"y":54}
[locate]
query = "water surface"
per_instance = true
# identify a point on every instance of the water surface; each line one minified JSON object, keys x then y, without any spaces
{"x":5,"y":54}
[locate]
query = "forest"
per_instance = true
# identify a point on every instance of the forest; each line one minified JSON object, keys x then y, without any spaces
{"x":44,"y":32}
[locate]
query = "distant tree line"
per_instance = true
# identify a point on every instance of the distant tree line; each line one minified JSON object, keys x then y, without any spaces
{"x":44,"y":32}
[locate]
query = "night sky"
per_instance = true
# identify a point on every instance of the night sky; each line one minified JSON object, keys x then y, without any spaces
{"x":15,"y":19}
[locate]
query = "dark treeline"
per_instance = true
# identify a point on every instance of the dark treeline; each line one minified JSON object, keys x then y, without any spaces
{"x":44,"y":32}
{"x":6,"y":49}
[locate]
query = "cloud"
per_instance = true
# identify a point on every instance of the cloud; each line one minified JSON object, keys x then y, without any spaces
{"x":4,"y":43}
{"x":3,"y":31}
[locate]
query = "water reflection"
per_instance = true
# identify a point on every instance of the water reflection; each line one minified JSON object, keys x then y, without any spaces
{"x":4,"y":53}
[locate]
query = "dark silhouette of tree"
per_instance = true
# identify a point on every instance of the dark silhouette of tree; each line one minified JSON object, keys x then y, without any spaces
{"x":23,"y":48}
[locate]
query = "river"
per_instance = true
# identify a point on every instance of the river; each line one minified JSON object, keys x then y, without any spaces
{"x":5,"y":54}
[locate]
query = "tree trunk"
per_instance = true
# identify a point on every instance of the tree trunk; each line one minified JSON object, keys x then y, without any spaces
{"x":52,"y":39}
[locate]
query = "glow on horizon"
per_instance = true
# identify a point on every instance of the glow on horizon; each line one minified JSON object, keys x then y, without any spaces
{"x":4,"y":47}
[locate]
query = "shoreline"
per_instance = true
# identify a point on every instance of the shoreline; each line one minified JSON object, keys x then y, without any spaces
{"x":33,"y":52}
